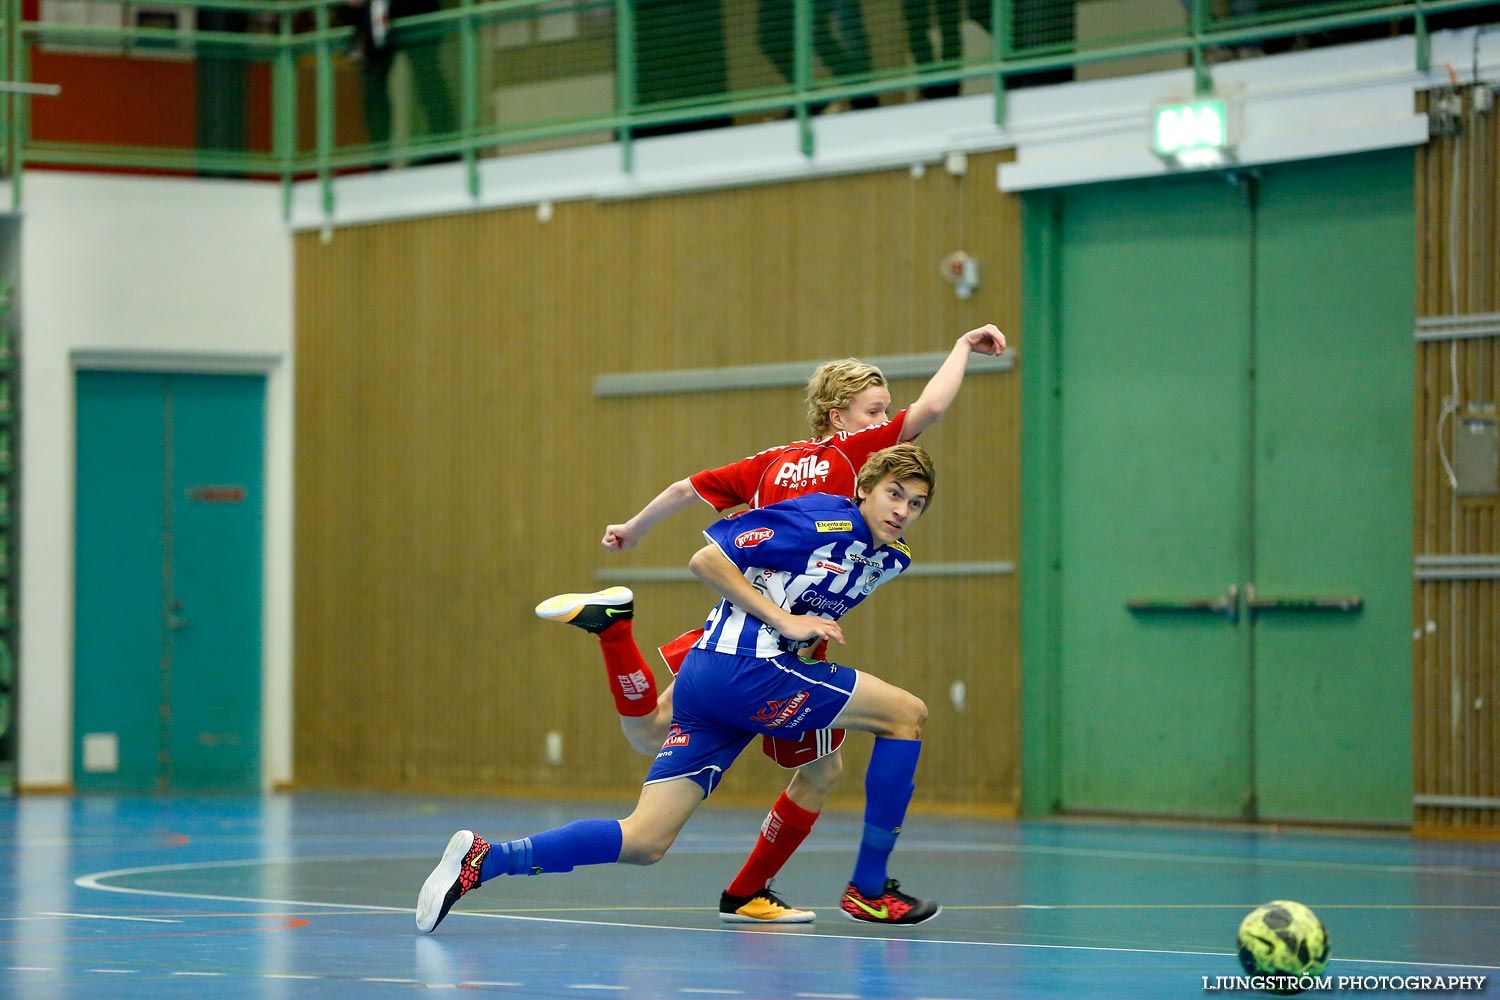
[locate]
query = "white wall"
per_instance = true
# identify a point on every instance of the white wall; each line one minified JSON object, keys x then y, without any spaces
{"x":141,"y":272}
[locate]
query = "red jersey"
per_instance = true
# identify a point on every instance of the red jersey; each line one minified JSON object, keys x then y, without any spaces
{"x":829,"y":465}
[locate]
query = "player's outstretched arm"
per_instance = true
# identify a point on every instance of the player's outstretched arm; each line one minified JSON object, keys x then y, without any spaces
{"x":941,"y":389}
{"x":724,"y":577}
{"x":673,"y":500}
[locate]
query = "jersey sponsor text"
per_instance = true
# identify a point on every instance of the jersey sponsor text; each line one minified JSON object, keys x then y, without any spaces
{"x":807,"y":469}
{"x":753,"y":537}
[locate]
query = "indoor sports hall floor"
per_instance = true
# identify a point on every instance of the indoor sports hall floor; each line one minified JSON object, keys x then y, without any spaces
{"x":310,"y":896}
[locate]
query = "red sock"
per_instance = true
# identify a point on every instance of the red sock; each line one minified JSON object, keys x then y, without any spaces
{"x":630,"y":680}
{"x":785,"y":828}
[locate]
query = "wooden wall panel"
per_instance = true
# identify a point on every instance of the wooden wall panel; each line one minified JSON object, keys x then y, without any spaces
{"x":454,"y":467}
{"x":1456,"y":732}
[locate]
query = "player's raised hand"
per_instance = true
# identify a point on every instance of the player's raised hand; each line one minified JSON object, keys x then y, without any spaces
{"x":986,"y":339}
{"x":618,"y":538}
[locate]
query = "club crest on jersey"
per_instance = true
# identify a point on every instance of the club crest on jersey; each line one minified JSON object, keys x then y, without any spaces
{"x":872,"y":580}
{"x":753,"y":537}
{"x":826,"y":526}
{"x":778,"y":712}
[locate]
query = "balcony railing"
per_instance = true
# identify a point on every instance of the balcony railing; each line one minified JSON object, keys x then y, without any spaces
{"x":295,"y":89}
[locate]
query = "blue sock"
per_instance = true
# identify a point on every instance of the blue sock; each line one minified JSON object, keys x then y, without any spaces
{"x":584,"y":842}
{"x":888,"y":789}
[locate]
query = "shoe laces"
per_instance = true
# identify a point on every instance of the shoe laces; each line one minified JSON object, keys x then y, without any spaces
{"x":893,"y":888}
{"x":768,"y":894}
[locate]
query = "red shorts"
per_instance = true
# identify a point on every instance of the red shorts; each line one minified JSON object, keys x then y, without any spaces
{"x":789,"y":753}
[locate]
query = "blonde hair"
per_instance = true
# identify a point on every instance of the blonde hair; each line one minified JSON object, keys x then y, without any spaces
{"x":908,"y":460}
{"x":834,"y":386}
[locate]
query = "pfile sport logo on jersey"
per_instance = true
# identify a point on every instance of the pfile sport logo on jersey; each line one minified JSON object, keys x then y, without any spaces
{"x":752,"y":538}
{"x":808,"y":469}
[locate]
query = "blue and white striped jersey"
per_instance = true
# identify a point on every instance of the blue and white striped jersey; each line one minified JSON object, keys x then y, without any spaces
{"x":812,"y":555}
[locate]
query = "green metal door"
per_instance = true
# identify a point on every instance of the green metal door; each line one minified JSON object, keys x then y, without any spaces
{"x":1232,"y":465}
{"x":168,"y":585}
{"x":1335,"y":300}
{"x":1155,"y":310}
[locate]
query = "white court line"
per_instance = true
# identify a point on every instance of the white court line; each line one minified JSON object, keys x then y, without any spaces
{"x":1217,"y":860}
{"x":595,"y":986}
{"x":103,"y":916}
{"x":94,"y":882}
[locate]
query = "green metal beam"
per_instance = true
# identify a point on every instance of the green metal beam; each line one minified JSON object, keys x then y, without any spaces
{"x":802,"y":77}
{"x":142,"y":158}
{"x":9,"y":11}
{"x":625,"y":82}
{"x":1000,"y":21}
{"x":20,"y":104}
{"x":284,"y":114}
{"x":468,"y":119}
{"x":157,"y":38}
{"x":325,"y":95}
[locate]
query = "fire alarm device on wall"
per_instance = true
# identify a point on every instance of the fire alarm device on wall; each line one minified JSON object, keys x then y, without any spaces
{"x":1476,"y":453}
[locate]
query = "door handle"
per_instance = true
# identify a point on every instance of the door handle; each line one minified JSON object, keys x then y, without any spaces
{"x":1339,"y":603}
{"x":1228,"y":605}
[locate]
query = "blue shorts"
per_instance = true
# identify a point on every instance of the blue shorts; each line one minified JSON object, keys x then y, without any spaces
{"x":722,"y":701}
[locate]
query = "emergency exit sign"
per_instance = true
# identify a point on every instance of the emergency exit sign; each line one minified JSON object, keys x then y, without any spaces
{"x":1197,"y":127}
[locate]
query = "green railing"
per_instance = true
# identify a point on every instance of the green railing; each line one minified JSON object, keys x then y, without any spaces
{"x":272,"y":91}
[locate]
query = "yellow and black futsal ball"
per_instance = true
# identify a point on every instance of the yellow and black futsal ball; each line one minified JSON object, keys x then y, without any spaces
{"x":1283,"y":938}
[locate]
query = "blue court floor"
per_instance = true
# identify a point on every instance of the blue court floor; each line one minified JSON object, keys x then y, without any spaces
{"x":311,"y":896}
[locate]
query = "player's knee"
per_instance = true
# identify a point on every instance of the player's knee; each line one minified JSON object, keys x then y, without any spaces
{"x":822,"y":774}
{"x":643,"y":849}
{"x":909,"y":717}
{"x":644,"y":855}
{"x":645,"y":733}
{"x":919,"y":712}
{"x":642,"y":743}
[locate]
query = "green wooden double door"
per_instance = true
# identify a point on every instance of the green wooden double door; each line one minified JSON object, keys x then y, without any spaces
{"x":1229,"y":436}
{"x":167,"y":637}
